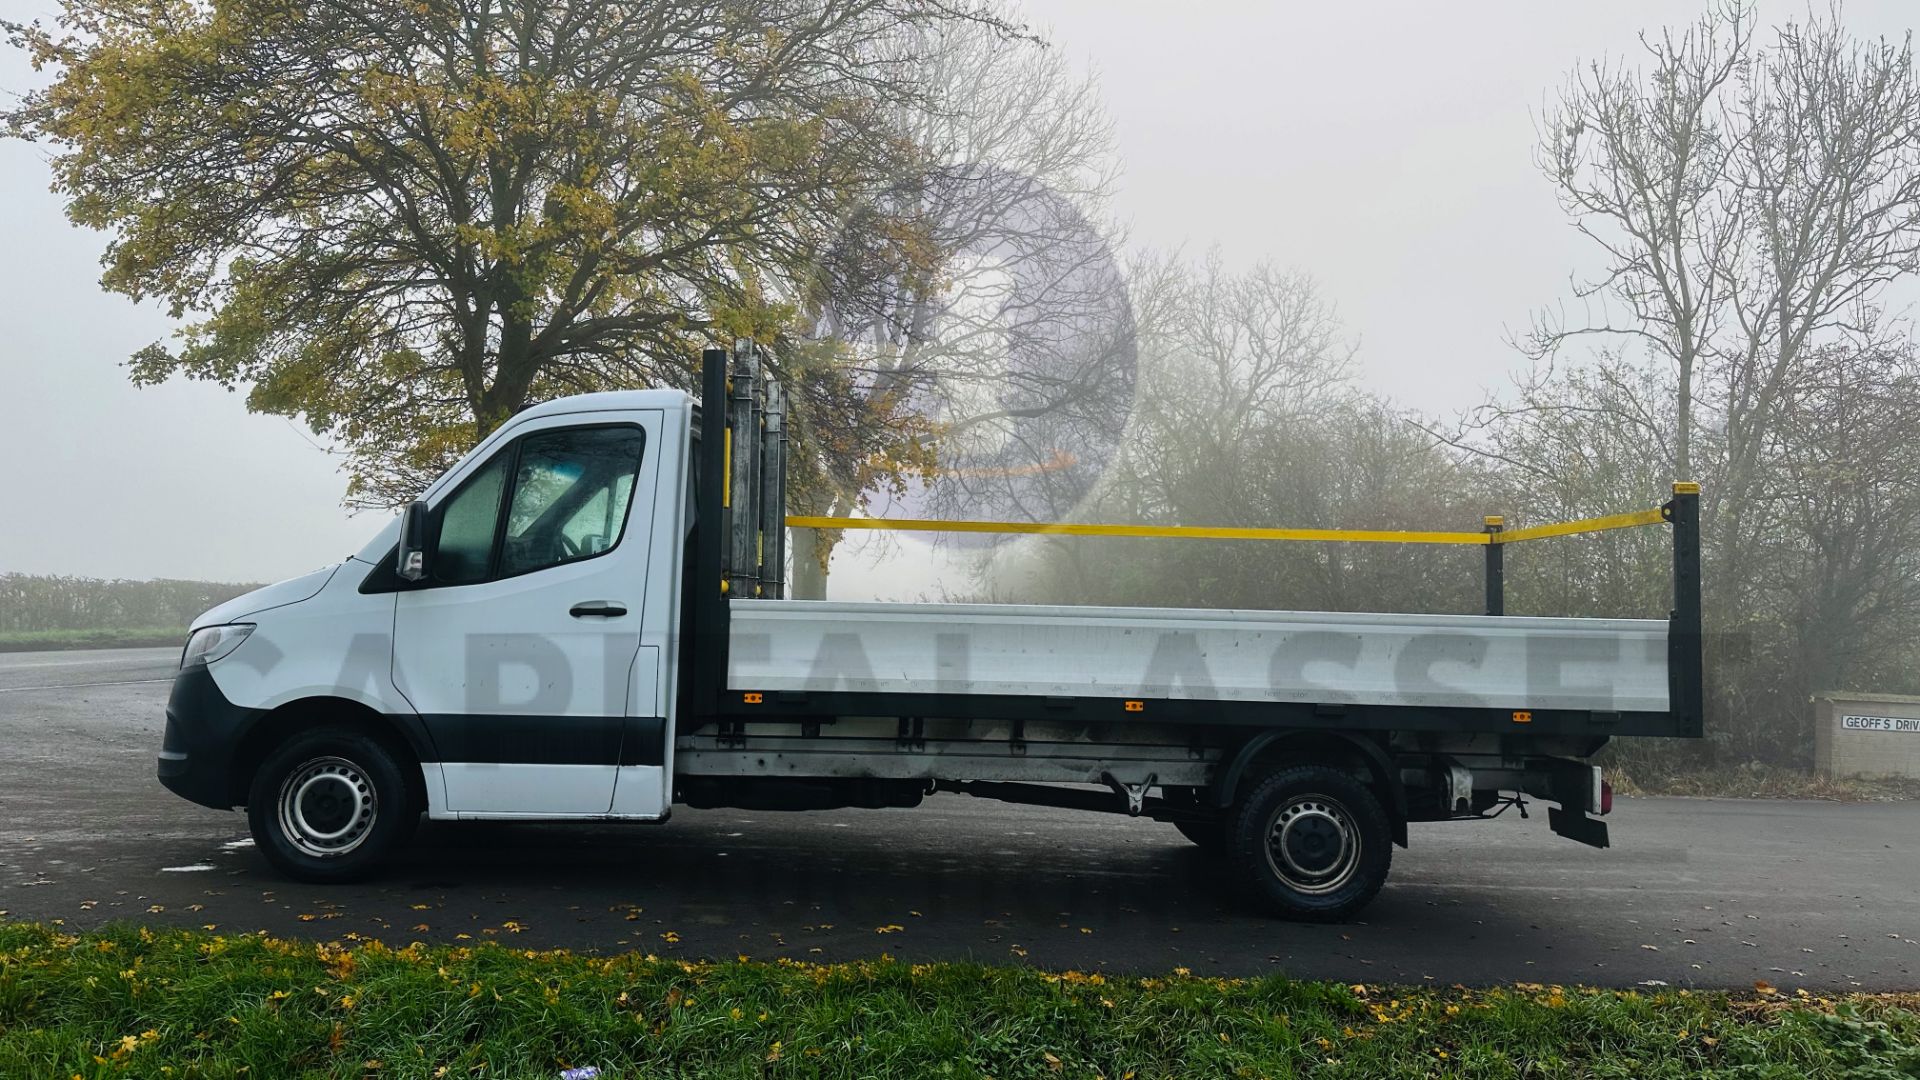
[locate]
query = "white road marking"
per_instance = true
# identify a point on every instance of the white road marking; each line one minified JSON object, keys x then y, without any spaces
{"x":160,"y":653}
{"x":81,"y":685}
{"x":236,"y":845}
{"x":195,"y":868}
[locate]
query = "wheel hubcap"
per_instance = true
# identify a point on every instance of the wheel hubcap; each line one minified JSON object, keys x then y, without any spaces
{"x":1312,"y":844}
{"x":327,"y":807}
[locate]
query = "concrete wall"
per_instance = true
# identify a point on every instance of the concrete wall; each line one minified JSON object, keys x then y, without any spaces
{"x":1871,"y":735}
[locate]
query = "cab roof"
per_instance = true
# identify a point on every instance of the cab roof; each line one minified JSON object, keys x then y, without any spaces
{"x":607,"y":401}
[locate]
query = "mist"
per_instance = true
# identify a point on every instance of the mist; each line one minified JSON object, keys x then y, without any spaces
{"x":1389,"y":154}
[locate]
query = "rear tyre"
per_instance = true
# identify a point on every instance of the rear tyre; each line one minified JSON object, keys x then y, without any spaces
{"x":1312,"y":842}
{"x":329,"y":805}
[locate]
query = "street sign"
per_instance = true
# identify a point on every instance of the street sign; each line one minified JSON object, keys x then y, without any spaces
{"x":1904,"y":724}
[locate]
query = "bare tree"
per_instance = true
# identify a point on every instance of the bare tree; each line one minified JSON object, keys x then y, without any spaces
{"x":1013,"y":336}
{"x":1250,"y":415}
{"x":1752,"y":203}
{"x":1837,"y":522}
{"x":1828,"y":184}
{"x":1640,"y":163}
{"x":1226,"y":353}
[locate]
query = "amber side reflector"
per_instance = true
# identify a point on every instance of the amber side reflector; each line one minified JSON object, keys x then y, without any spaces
{"x":1523,"y":718}
{"x":1136,"y":706}
{"x":752,"y":697}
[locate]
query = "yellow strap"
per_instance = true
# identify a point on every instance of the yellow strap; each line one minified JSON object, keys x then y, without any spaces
{"x":1568,"y":528}
{"x":1201,"y":532}
{"x":1191,"y":532}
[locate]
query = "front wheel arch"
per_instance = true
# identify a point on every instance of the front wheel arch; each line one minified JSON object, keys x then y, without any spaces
{"x":276,"y":727}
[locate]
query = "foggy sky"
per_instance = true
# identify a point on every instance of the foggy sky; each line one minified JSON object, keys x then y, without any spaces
{"x":1385,"y":148}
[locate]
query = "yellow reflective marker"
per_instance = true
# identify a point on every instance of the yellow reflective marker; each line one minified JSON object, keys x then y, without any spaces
{"x":1522,"y":717}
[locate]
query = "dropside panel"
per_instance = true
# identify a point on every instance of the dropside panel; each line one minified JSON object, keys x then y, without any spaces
{"x":1413,"y":661}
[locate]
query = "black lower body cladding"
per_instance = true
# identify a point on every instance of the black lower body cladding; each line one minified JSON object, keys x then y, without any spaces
{"x":203,"y":731}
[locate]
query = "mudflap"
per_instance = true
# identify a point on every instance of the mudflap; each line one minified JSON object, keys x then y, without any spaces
{"x":1575,"y":825}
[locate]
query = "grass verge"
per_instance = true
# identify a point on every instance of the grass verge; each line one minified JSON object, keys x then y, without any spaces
{"x":1756,"y":781}
{"x":130,"y":1001}
{"x":128,"y":638}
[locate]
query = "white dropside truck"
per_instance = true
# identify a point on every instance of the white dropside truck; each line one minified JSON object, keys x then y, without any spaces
{"x":581,"y":622}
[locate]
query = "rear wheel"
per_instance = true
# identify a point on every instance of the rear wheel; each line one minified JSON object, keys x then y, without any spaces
{"x":1313,"y":842}
{"x":329,"y":805}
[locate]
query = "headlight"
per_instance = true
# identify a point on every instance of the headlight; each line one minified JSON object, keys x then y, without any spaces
{"x":210,"y":643}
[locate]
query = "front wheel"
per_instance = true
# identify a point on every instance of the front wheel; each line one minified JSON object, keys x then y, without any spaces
{"x":1313,"y":842}
{"x":329,"y":805}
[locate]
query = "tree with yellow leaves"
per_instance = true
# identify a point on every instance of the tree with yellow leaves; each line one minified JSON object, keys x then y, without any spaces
{"x":404,"y":220}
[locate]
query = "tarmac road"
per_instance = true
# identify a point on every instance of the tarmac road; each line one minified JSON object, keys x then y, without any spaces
{"x":1697,"y":892}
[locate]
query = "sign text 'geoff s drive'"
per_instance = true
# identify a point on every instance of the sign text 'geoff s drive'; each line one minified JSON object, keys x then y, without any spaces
{"x":1881,"y":723}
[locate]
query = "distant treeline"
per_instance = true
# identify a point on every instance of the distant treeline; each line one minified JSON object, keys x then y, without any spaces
{"x":31,"y":602}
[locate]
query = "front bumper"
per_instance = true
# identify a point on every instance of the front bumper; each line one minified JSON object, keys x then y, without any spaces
{"x":203,"y":733}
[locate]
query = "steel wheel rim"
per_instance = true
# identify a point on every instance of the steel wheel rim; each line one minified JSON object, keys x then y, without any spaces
{"x":1312,"y":844}
{"x":327,"y":807}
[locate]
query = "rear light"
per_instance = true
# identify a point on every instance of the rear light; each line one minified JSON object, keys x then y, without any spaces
{"x":1606,"y":798}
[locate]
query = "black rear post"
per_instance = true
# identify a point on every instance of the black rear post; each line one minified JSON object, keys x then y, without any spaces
{"x":1496,"y":567}
{"x":709,"y":598}
{"x":1685,"y":680}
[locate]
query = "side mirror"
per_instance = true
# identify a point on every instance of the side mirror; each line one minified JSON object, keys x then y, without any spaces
{"x":411,"y":561}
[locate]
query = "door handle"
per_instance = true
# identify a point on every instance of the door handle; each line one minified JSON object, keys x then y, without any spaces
{"x":605,"y":609}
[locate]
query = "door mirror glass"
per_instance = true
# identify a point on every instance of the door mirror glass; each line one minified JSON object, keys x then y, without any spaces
{"x":411,"y":560}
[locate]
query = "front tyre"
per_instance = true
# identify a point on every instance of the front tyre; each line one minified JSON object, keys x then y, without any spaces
{"x":1313,"y":843}
{"x":329,"y":805}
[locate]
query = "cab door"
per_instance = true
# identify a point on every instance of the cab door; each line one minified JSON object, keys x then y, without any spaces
{"x":518,"y":649}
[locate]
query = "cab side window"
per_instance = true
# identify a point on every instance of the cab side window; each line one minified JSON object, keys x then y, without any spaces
{"x":564,"y":493}
{"x":550,"y":498}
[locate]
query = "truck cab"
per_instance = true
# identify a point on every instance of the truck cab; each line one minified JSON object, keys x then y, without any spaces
{"x":527,"y":671}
